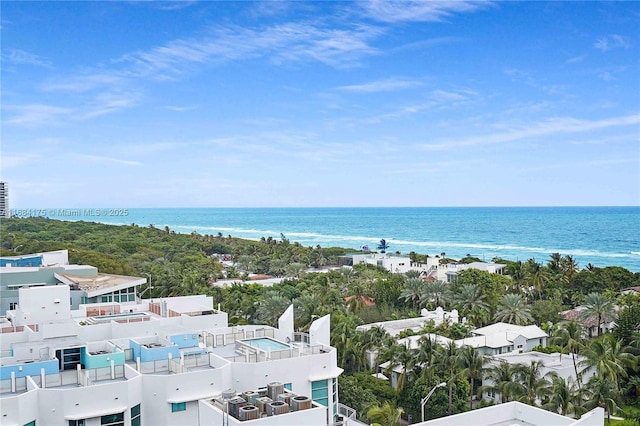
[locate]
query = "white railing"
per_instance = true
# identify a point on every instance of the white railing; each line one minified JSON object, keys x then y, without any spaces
{"x":346,"y":411}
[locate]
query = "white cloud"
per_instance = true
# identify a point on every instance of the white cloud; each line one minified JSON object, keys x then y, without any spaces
{"x":611,"y":42}
{"x":555,"y":126}
{"x":418,"y":11}
{"x":103,"y":159}
{"x":19,"y":57}
{"x":280,"y":43}
{"x":36,"y":114}
{"x":387,"y":85}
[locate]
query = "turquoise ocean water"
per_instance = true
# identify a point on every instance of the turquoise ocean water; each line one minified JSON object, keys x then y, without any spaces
{"x":603,"y":236}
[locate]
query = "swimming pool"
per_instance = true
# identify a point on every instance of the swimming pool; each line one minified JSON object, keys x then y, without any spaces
{"x":266,"y":343}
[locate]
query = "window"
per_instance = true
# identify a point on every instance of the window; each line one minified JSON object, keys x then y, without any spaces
{"x":76,"y":422}
{"x":31,"y":423}
{"x":320,"y":392}
{"x":13,"y":305}
{"x":135,"y":416}
{"x":178,"y":406}
{"x":287,"y":386}
{"x":112,"y":420}
{"x":519,"y":346}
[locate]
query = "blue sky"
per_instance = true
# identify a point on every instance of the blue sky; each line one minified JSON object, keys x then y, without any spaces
{"x":243,"y":104}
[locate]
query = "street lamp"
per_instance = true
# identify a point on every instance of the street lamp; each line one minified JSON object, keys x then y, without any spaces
{"x":149,"y":287}
{"x":426,"y":398}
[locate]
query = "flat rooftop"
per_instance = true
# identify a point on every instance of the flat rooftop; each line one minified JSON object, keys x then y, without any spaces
{"x":101,"y":283}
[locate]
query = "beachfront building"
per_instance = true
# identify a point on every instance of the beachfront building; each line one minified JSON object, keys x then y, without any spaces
{"x":417,"y":324}
{"x":516,"y":413}
{"x":590,"y":323}
{"x":502,"y":338}
{"x":167,"y":361}
{"x":52,"y":268}
{"x":493,"y":340}
{"x":4,"y":200}
{"x":561,"y":365}
{"x":432,"y":268}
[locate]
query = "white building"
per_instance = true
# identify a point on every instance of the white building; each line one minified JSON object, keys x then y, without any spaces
{"x":501,"y":338}
{"x":4,"y":200}
{"x":169,"y":361}
{"x":53,"y":268}
{"x":394,"y":327}
{"x":432,"y":268}
{"x":557,"y":364}
{"x":516,"y":413}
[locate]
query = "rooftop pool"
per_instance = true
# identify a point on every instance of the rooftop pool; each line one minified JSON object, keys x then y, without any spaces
{"x":266,"y":344}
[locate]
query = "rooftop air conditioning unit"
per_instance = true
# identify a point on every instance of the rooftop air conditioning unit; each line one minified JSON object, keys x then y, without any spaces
{"x":251,"y":396}
{"x":300,"y":403}
{"x":285,"y":397}
{"x":277,"y":407}
{"x":228,"y":394}
{"x":234,"y":406}
{"x":274,"y":389}
{"x":248,"y":412}
{"x":262,"y":403}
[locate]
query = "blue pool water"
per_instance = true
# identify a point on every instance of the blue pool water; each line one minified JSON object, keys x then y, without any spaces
{"x":266,"y":343}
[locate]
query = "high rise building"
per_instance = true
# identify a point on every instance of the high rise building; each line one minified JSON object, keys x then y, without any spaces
{"x":4,"y":200}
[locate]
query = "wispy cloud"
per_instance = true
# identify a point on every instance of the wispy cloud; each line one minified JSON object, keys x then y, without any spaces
{"x":291,"y":42}
{"x":525,"y":77}
{"x":10,"y":161}
{"x":555,"y":126}
{"x":107,"y":160}
{"x":576,"y":59}
{"x":174,"y":5}
{"x":179,"y":108}
{"x":84,"y":83}
{"x":417,"y":10}
{"x":428,"y":43}
{"x":20,"y":57}
{"x":387,"y":85}
{"x":35,"y":114}
{"x":105,"y":103}
{"x":611,"y":42}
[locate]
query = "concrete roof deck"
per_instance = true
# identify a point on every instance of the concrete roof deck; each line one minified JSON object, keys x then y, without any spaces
{"x":101,"y":283}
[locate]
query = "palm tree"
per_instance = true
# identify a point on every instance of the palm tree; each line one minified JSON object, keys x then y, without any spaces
{"x":570,"y":336}
{"x":272,"y":306}
{"x":277,"y":267}
{"x":385,"y":415}
{"x":597,"y":307}
{"x":306,"y":306}
{"x":503,"y":375}
{"x":603,"y":393}
{"x":403,"y":357}
{"x":413,"y":291}
{"x":471,"y":363}
{"x":413,"y":273}
{"x":435,"y":291}
{"x":295,"y":269}
{"x":424,"y":356}
{"x":447,"y":360}
{"x":245,"y":262}
{"x":358,"y":294}
{"x":536,"y":276}
{"x":383,"y":246}
{"x":518,"y":274}
{"x":609,"y":357}
{"x":566,"y":398}
{"x":513,"y":309}
{"x":534,"y":385}
{"x":472,"y":303}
